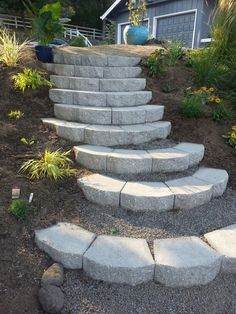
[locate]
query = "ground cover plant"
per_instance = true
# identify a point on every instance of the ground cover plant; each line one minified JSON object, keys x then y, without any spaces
{"x":20,"y":208}
{"x":231,"y":137}
{"x":15,"y":114}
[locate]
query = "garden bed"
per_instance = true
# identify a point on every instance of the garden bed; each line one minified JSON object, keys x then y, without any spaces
{"x":22,"y":263}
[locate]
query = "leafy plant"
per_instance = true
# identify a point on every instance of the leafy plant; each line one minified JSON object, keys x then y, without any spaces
{"x":29,"y":142}
{"x":17,"y":114}
{"x":175,"y":52}
{"x":231,"y":137}
{"x":167,"y":88}
{"x":78,"y":42}
{"x":19,"y":208}
{"x":156,"y":62}
{"x":30,"y":79}
{"x":113,"y":231}
{"x":192,"y":107}
{"x":220,"y":112}
{"x":45,"y":21}
{"x":52,"y":165}
{"x":137,"y":12}
{"x":11,"y":51}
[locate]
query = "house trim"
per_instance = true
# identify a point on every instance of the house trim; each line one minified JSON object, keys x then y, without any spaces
{"x":127,"y":23}
{"x":112,"y":7}
{"x":155,"y":18}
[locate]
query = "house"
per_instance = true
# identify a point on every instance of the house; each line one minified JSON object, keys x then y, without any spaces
{"x":180,"y":20}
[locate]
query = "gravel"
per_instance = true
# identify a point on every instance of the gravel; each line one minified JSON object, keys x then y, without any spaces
{"x":83,"y":295}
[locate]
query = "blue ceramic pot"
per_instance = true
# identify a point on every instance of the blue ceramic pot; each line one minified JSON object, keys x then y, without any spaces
{"x":44,"y":53}
{"x":135,"y":35}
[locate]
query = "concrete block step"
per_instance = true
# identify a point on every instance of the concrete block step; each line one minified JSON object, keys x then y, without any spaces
{"x":109,"y":115}
{"x":94,"y":60}
{"x":98,"y":85}
{"x":100,"y":99}
{"x":185,"y":262}
{"x":224,"y":242}
{"x":65,"y":243}
{"x":93,"y":71}
{"x":109,"y":135}
{"x":128,"y":161}
{"x":184,"y":193}
{"x":119,"y":260}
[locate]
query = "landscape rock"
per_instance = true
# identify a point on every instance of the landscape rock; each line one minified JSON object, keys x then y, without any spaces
{"x":51,"y":298}
{"x":54,"y":275}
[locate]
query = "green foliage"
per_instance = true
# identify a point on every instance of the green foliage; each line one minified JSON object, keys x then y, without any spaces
{"x":192,"y":107}
{"x":175,"y":52}
{"x":28,"y":141}
{"x":45,"y":21}
{"x":110,"y":32}
{"x":156,"y":62}
{"x":113,"y":231}
{"x":78,"y":42}
{"x":17,"y":114}
{"x":137,"y":11}
{"x":167,"y":88}
{"x":231,"y":137}
{"x":220,"y":112}
{"x":11,"y":51}
{"x":20,"y":208}
{"x":30,"y":79}
{"x":52,"y":165}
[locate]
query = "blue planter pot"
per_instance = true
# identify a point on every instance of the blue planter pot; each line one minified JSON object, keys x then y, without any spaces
{"x":44,"y":53}
{"x":135,"y":35}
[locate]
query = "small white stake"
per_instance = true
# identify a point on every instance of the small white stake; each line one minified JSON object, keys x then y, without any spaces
{"x":31,"y":197}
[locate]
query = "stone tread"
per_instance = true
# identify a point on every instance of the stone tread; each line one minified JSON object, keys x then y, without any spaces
{"x":109,"y":135}
{"x":109,"y":115}
{"x":99,"y":99}
{"x":124,"y":161}
{"x":178,"y":262}
{"x":65,"y":243}
{"x":224,"y":241}
{"x":183,"y":193}
{"x":98,"y":85}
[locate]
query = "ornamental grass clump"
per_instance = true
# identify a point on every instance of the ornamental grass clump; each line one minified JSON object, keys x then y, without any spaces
{"x":53,"y":165}
{"x":11,"y":51}
{"x":192,"y":106}
{"x":20,"y":208}
{"x":231,"y":137}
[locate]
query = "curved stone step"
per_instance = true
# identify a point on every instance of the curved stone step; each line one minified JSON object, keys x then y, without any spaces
{"x":98,"y":85}
{"x":185,"y":262}
{"x":128,"y":161}
{"x":224,"y":242}
{"x":100,"y":99}
{"x":92,"y":72}
{"x":184,"y":193}
{"x":109,"y":135}
{"x":65,"y":243}
{"x":94,"y":60}
{"x":119,"y":260}
{"x":109,"y":115}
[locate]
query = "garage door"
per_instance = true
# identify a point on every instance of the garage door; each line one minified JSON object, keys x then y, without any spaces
{"x":176,"y":27}
{"x":122,"y":27}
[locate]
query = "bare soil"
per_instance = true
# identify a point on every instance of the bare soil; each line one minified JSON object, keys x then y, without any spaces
{"x":22,"y":264}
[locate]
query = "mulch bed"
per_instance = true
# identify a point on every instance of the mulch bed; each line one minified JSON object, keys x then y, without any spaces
{"x":22,"y":263}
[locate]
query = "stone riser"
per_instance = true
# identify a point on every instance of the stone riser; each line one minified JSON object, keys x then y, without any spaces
{"x":178,"y":262}
{"x":125,"y":161}
{"x":93,"y":72}
{"x":100,"y":99}
{"x":183,"y":193}
{"x":109,"y":135}
{"x":95,"y":60}
{"x":98,"y":85}
{"x":106,"y":116}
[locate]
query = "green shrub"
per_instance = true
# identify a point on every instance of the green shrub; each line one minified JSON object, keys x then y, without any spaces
{"x":17,"y":114}
{"x":175,"y":52}
{"x":11,"y":51}
{"x":30,"y":79}
{"x":19,"y":208}
{"x":52,"y":165}
{"x":156,"y":62}
{"x":167,"y":88}
{"x":220,"y":112}
{"x":231,"y":137}
{"x":192,"y":107}
{"x":78,"y":42}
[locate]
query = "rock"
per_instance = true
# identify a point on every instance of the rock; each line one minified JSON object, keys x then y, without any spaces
{"x":54,"y":275}
{"x":51,"y":298}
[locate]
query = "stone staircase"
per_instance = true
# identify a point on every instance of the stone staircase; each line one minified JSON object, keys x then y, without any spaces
{"x":102,"y":106}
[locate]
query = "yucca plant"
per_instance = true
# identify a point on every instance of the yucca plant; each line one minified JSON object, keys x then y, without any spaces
{"x":52,"y":165}
{"x":11,"y":51}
